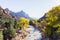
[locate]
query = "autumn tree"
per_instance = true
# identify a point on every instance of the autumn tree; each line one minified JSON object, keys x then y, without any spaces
{"x":23,"y":23}
{"x":53,"y":23}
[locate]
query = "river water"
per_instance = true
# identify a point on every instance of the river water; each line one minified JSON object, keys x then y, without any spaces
{"x":34,"y":34}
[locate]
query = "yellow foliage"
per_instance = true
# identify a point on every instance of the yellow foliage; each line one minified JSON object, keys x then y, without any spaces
{"x":58,"y":31}
{"x":26,"y":25}
{"x":56,"y":25}
{"x":24,"y":22}
{"x":53,"y":20}
{"x":34,"y":21}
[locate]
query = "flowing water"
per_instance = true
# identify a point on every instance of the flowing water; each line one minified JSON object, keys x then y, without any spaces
{"x":35,"y":34}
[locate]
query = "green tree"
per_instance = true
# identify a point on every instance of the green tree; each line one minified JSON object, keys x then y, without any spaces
{"x":9,"y":32}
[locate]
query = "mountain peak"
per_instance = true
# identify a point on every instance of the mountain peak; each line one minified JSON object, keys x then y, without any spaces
{"x":21,"y":11}
{"x":7,"y":9}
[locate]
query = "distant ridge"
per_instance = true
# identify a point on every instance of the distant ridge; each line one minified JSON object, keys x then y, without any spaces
{"x":18,"y":14}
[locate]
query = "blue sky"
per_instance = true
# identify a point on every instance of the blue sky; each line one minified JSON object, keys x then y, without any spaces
{"x":34,"y":8}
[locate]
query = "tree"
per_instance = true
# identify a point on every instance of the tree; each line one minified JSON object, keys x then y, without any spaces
{"x":53,"y":22}
{"x":23,"y":22}
{"x":9,"y":32}
{"x":33,"y":22}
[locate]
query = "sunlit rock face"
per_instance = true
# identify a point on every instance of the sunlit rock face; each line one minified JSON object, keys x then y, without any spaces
{"x":34,"y":34}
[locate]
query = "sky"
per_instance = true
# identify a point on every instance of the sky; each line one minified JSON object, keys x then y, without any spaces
{"x":34,"y":8}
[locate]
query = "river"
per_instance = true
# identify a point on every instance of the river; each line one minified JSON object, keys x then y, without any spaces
{"x":34,"y":34}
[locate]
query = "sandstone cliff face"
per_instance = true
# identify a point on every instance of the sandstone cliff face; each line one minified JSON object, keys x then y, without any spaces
{"x":4,"y":13}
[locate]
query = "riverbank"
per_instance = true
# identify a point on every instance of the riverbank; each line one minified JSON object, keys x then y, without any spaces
{"x":29,"y":33}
